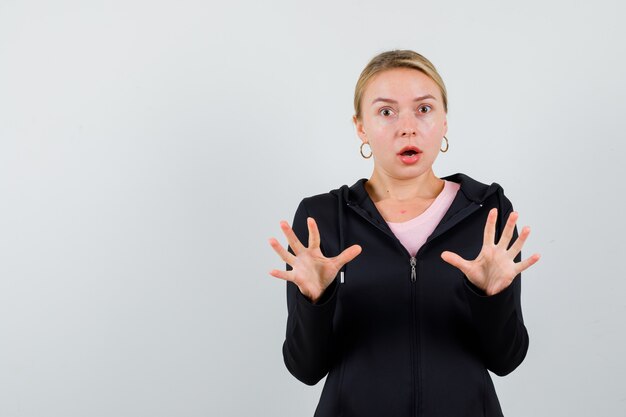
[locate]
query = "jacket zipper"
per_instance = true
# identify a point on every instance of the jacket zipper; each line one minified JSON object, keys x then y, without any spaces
{"x":416,"y":356}
{"x":415,"y":351}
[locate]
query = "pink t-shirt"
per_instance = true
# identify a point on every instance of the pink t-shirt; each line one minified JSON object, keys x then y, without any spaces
{"x":413,"y":233}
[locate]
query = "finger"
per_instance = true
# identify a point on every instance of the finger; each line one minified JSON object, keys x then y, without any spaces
{"x":282,"y":252}
{"x":314,"y":233}
{"x":507,"y":233}
{"x":519,"y":243}
{"x":285,"y":275}
{"x":347,"y":255}
{"x":528,"y":262}
{"x":293,"y":240}
{"x":455,"y":260}
{"x":490,"y":227}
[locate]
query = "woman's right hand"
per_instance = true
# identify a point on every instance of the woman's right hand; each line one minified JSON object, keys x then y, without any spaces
{"x":312,"y":272}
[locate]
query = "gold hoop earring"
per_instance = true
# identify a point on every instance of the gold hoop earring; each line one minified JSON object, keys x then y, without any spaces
{"x":361,"y":150}
{"x":447,"y":145}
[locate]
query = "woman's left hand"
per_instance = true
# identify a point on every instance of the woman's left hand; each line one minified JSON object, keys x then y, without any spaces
{"x":495,"y":268}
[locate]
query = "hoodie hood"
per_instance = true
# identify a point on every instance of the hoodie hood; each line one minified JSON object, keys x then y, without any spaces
{"x":473,"y":190}
{"x":472,"y":195}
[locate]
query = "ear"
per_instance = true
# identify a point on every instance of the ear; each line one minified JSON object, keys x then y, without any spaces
{"x":358,"y":124}
{"x":445,"y":126}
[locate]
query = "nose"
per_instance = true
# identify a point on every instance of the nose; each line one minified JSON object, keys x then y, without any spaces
{"x":408,"y":131}
{"x":407,"y":127}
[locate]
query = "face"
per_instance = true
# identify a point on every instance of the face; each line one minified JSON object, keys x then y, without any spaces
{"x":404,"y":121}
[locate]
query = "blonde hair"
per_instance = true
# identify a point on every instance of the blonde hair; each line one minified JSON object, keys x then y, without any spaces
{"x":397,"y":59}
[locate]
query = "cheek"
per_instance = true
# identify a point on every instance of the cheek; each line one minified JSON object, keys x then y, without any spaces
{"x":373,"y":129}
{"x":430,"y":125}
{"x":380,"y":127}
{"x":432,"y":131}
{"x":380,"y":147}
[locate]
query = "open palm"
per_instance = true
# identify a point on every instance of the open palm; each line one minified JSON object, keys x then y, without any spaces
{"x":495,"y":268}
{"x":311,"y":271}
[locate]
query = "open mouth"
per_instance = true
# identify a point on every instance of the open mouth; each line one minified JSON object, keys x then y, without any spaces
{"x":409,"y":151}
{"x":409,"y":155}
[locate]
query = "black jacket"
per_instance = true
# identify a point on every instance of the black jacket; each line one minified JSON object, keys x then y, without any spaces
{"x":402,"y":336}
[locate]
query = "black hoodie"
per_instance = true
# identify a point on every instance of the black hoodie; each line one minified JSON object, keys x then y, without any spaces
{"x":403,"y":336}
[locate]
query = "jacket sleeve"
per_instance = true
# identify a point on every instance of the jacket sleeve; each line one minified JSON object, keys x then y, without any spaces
{"x":498,"y":319}
{"x":308,"y":346}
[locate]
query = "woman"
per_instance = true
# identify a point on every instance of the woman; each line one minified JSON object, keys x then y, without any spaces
{"x":409,"y":288}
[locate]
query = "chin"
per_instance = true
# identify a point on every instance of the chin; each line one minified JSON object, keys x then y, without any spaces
{"x":411,"y":172}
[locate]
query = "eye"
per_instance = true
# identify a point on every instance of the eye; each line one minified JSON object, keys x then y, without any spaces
{"x":425,"y":108}
{"x":385,"y":112}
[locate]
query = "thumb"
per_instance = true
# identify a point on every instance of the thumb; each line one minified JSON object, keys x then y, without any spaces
{"x":454,"y":260}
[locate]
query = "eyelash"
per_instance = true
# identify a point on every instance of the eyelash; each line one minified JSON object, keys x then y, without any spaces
{"x":420,"y":107}
{"x":426,"y":105}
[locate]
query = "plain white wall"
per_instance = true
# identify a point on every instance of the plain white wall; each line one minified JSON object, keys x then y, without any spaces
{"x":148,"y":149}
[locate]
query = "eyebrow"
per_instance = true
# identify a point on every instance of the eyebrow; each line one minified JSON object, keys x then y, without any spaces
{"x":388,"y":100}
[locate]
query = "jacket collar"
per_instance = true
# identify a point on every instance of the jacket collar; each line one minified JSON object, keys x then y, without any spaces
{"x":473,"y":190}
{"x":468,"y":200}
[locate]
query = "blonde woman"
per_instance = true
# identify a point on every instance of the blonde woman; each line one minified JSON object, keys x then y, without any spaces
{"x":404,"y":289}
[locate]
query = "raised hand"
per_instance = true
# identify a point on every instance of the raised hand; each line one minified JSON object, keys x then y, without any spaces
{"x":312,"y":272}
{"x":494,"y":268}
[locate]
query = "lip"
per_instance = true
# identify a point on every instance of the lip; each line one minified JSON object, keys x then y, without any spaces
{"x":410,"y":148}
{"x":410,"y":159}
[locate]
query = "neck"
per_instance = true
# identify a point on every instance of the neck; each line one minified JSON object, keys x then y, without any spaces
{"x":384,"y":187}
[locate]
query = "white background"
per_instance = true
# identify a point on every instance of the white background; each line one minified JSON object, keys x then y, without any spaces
{"x":148,"y":150}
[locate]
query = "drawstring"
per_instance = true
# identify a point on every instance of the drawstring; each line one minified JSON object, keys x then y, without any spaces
{"x":342,"y":201}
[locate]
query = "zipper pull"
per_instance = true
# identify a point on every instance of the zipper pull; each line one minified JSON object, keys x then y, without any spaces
{"x":413,"y":274}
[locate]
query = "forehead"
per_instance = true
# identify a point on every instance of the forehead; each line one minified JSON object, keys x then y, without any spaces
{"x":398,"y":83}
